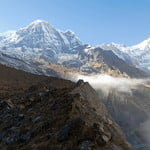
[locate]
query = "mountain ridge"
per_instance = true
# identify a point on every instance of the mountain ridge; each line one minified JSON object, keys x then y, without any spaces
{"x":138,"y":55}
{"x":40,"y":43}
{"x":51,"y":113}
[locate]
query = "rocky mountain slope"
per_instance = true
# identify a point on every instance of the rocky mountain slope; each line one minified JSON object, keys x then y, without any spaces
{"x":51,"y":113}
{"x":131,"y":112}
{"x":39,"y":44}
{"x":96,"y":60}
{"x":128,"y":101}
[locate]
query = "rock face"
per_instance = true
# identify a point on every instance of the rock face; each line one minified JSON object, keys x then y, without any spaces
{"x":52,"y":115}
{"x":97,"y":60}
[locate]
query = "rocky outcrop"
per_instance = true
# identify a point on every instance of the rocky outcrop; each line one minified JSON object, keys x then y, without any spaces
{"x":57,"y":114}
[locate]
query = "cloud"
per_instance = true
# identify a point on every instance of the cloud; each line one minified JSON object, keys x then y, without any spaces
{"x":107,"y":83}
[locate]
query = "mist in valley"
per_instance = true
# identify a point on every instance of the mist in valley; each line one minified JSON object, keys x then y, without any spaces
{"x":127,"y":101}
{"x":107,"y":83}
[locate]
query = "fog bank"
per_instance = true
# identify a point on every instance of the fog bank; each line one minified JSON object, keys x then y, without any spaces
{"x":107,"y":83}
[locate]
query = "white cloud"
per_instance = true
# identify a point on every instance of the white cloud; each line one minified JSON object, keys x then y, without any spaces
{"x":106,"y":83}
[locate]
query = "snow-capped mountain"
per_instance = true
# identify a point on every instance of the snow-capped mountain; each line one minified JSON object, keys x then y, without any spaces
{"x":35,"y":47}
{"x":139,"y":54}
{"x":119,"y":50}
{"x":37,"y":40}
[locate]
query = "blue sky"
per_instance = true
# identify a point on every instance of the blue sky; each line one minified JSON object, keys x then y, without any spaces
{"x":94,"y":21}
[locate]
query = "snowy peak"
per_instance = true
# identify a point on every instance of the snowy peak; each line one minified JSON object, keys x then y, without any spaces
{"x":7,"y":34}
{"x":145,"y":45}
{"x":36,"y":22}
{"x":69,"y":33}
{"x":39,"y":25}
{"x":113,"y":46}
{"x":41,"y":35}
{"x":138,"y":55}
